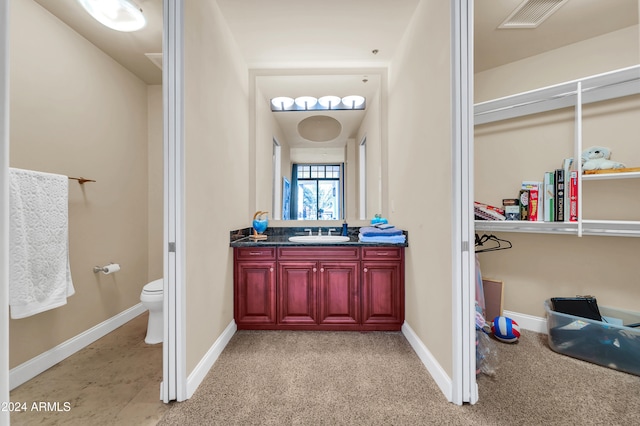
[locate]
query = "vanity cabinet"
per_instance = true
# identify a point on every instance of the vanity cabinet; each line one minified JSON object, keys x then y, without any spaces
{"x":320,"y":288}
{"x":297,"y":293}
{"x":255,"y":286}
{"x":338,"y":293}
{"x":382,"y":286}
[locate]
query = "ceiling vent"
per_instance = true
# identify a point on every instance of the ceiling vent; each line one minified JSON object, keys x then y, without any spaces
{"x":531,"y":13}
{"x":156,"y":58}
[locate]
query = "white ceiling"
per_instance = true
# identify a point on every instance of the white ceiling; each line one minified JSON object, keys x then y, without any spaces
{"x":311,"y":34}
{"x":127,"y":48}
{"x":576,"y":20}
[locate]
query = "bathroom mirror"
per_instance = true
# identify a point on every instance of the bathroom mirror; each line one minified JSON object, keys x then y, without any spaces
{"x":337,"y":154}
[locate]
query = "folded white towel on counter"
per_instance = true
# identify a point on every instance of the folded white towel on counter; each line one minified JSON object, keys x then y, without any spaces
{"x":39,"y":271}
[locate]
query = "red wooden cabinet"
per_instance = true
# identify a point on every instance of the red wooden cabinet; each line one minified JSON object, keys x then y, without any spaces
{"x":297,"y":282}
{"x":254,"y":287}
{"x":319,"y":288}
{"x":339,"y":293}
{"x":382,"y":291}
{"x":382,"y":286}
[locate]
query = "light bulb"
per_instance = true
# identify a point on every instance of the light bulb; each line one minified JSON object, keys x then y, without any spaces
{"x":119,"y":15}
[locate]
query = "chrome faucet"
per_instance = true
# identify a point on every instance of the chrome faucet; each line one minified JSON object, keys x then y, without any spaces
{"x":330,"y":230}
{"x":319,"y":232}
{"x":309,"y":231}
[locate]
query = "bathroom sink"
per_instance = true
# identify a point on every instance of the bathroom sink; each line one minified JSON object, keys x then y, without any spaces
{"x":318,"y":239}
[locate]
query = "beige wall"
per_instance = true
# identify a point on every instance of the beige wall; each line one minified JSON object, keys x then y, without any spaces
{"x":372,"y":128}
{"x":266,"y":128}
{"x":611,"y":51}
{"x":156,"y":182}
{"x":351,"y":178}
{"x":75,"y":111}
{"x":420,"y":173}
{"x":217,"y":172}
{"x":543,"y":266}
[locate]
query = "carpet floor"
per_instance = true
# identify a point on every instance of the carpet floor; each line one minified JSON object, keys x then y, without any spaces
{"x":345,"y":378}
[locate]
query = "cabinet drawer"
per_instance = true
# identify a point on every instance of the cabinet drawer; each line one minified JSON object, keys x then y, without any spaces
{"x":318,"y":253}
{"x":255,"y":253}
{"x":381,"y":253}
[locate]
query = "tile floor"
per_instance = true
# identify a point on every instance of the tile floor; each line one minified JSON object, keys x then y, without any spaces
{"x":113,"y":381}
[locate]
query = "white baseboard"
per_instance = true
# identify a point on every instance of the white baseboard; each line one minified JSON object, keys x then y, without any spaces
{"x":528,"y":322}
{"x":433,"y":366}
{"x":29,"y":369}
{"x":198,"y":374}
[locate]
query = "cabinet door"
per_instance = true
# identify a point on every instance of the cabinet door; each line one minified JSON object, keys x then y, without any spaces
{"x":382,"y":293}
{"x":297,"y":293}
{"x":338,"y":295}
{"x":255,"y":293}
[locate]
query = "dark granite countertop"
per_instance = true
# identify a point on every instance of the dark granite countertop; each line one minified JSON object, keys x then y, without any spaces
{"x":280,"y":237}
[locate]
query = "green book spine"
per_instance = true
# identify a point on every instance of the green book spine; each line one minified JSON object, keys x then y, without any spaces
{"x":549,"y":195}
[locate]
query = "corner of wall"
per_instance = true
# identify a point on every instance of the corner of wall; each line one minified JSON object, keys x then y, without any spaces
{"x":438,"y":373}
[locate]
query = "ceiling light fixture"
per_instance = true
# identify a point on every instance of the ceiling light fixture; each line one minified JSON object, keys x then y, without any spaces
{"x":281,"y":103}
{"x":119,"y":15}
{"x":324,"y":103}
{"x":353,"y":101}
{"x":306,"y":102}
{"x":329,"y":101}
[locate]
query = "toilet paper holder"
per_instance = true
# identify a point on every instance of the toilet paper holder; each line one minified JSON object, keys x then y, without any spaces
{"x":108,"y":269}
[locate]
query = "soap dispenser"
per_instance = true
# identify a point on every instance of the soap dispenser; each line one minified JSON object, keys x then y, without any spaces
{"x":345,"y":229}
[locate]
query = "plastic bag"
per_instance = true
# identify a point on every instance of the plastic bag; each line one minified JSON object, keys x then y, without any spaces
{"x":486,"y":354}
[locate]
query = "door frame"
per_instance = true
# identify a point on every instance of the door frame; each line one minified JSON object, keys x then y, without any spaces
{"x":4,"y":207}
{"x":464,"y":386}
{"x":174,"y":377}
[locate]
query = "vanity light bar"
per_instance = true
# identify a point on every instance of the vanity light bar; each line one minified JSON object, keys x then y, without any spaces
{"x":325,"y":103}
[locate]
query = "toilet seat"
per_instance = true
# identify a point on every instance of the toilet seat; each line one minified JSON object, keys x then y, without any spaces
{"x":153,"y":288}
{"x":152,"y":298}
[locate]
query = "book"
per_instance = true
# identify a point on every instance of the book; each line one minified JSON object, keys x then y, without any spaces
{"x":523,"y":198}
{"x":567,"y":166}
{"x":573,"y":196}
{"x":535,"y":199}
{"x":549,"y":206}
{"x":559,"y":195}
{"x":486,"y":212}
{"x":511,"y":208}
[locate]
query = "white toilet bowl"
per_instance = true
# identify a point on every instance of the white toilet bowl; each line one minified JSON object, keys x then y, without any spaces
{"x":152,"y":298}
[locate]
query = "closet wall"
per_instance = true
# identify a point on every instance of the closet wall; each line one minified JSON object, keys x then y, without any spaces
{"x":540,"y":266}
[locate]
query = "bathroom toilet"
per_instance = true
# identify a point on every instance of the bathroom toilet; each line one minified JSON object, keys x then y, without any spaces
{"x":152,"y":299}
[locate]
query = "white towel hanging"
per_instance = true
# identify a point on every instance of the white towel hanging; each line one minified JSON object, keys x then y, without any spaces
{"x":39,"y":272}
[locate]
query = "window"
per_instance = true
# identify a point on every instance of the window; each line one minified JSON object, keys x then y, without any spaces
{"x":318,"y":191}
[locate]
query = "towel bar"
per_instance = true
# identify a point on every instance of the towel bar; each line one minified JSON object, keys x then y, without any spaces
{"x":81,"y":180}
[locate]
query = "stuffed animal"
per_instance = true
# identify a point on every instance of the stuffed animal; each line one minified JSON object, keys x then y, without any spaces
{"x":597,"y":158}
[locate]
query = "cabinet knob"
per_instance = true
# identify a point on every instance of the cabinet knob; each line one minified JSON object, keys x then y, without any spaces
{"x":366,"y":270}
{"x":271,"y":269}
{"x":315,"y":269}
{"x":321,"y":269}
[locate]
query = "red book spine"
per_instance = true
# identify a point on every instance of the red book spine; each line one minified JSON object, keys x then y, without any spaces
{"x":534,"y":196}
{"x":573,"y":196}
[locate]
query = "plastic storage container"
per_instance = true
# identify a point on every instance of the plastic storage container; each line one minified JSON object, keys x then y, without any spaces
{"x":610,"y":344}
